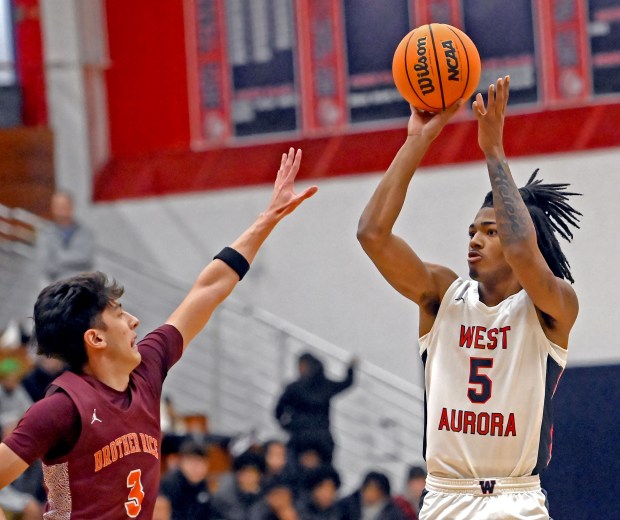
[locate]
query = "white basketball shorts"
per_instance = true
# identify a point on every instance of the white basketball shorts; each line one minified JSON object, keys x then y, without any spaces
{"x":484,"y":499}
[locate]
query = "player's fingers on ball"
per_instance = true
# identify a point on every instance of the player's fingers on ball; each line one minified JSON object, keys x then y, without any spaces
{"x":454,"y":108}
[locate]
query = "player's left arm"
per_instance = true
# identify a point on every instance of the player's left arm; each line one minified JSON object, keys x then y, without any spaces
{"x":515,"y":228}
{"x":218,"y":279}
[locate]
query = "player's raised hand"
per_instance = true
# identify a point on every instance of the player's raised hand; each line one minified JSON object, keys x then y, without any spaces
{"x":428,"y":124}
{"x":491,"y":118}
{"x":284,"y":199}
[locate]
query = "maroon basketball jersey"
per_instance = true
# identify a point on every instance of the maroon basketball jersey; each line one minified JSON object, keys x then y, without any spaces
{"x":112,"y":473}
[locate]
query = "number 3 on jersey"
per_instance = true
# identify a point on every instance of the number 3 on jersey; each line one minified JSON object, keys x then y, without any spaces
{"x":481,"y":392}
{"x":133,"y":506}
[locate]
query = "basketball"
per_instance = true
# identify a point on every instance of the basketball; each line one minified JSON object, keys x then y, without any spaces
{"x":435,"y":65}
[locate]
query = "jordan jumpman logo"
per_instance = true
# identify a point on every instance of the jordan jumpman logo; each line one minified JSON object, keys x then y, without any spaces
{"x":95,"y":418}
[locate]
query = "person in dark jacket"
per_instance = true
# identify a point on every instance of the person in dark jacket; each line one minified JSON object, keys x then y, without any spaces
{"x":45,"y":370}
{"x":304,"y":406}
{"x":277,"y":502}
{"x":409,"y":501}
{"x":320,"y":501}
{"x":236,"y":497}
{"x":186,"y":488}
{"x":373,"y":501}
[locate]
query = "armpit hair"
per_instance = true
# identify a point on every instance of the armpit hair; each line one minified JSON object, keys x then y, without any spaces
{"x":430,"y":303}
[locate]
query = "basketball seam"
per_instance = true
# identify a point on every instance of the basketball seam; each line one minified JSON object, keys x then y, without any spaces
{"x":443,"y":100}
{"x":409,"y":79}
{"x":466,"y":60}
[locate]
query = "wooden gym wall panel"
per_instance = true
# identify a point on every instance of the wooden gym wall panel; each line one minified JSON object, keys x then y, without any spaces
{"x":27,"y":168}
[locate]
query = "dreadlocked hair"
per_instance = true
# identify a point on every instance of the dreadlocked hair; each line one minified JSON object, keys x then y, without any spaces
{"x":550,"y":211}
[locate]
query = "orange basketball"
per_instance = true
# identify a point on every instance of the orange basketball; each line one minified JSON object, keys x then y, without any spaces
{"x":435,"y":65}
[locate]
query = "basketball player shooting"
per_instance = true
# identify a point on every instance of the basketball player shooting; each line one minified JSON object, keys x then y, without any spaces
{"x":493,"y":347}
{"x":97,"y":430}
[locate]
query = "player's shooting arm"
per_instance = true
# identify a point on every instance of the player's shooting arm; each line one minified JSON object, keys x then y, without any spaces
{"x":11,"y":466}
{"x":515,"y":228}
{"x":395,"y":260}
{"x":218,"y":279}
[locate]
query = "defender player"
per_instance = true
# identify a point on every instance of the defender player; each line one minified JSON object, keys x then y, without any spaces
{"x":493,"y":347}
{"x":98,"y":429}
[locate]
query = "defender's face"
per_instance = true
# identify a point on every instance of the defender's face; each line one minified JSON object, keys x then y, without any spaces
{"x":120,"y":335}
{"x":486,"y":257}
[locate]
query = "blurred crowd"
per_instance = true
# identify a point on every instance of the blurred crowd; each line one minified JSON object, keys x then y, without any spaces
{"x":207,"y":476}
{"x":22,"y":382}
{"x":266,"y":484}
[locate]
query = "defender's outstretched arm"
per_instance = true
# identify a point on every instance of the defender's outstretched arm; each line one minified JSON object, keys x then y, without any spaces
{"x":218,"y":279}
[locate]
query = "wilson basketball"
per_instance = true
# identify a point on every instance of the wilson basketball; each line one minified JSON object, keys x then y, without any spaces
{"x":435,"y":65}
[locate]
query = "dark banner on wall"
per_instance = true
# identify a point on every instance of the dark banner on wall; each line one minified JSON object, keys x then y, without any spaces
{"x":259,"y":68}
{"x":227,"y":85}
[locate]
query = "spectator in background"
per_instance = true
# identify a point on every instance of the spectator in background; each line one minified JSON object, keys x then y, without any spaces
{"x":409,"y":501}
{"x":67,"y":247}
{"x":42,"y":374}
{"x":277,"y":502}
{"x":163,"y":510}
{"x":275,"y":457}
{"x":14,"y":400}
{"x":18,"y":503}
{"x":235,"y":498}
{"x":186,"y":488}
{"x":372,"y":501}
{"x":304,"y":406}
{"x":320,"y":502}
{"x":310,"y":454}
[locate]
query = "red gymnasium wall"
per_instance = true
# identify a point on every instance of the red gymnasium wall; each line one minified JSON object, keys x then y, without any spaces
{"x":153,"y":129}
{"x":146,"y":82}
{"x":29,"y":62}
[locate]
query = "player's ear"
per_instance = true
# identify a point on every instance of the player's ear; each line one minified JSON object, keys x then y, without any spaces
{"x":93,"y":338}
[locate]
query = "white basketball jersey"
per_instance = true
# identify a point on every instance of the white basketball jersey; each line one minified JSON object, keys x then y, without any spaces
{"x":490,"y":376}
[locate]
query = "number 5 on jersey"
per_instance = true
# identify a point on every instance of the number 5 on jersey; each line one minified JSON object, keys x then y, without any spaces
{"x":481,"y":391}
{"x":133,"y":506}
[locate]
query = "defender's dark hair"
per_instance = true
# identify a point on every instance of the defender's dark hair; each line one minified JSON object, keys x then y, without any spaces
{"x":65,"y":310}
{"x":550,"y":211}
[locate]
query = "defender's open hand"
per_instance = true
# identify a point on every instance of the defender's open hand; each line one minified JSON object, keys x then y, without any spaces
{"x":284,"y":199}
